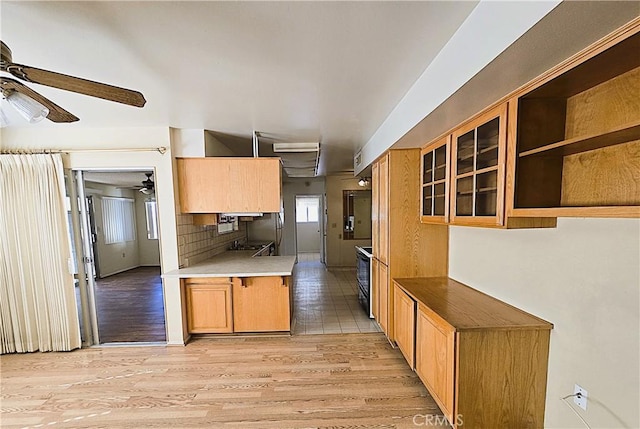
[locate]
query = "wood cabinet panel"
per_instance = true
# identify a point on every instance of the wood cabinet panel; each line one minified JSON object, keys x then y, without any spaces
{"x":383,"y":289}
{"x":209,"y":308}
{"x":383,"y":210}
{"x":435,"y":358}
{"x":404,"y":324}
{"x":261,"y":304}
{"x":375,"y":290}
{"x":229,"y":185}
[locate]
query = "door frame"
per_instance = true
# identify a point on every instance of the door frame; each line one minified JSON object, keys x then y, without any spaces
{"x":84,"y":251}
{"x":321,"y":222}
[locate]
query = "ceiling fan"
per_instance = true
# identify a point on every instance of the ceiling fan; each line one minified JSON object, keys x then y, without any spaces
{"x":148,"y":187}
{"x":34,"y":106}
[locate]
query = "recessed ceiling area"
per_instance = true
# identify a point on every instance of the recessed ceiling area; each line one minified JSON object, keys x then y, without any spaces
{"x":314,"y":71}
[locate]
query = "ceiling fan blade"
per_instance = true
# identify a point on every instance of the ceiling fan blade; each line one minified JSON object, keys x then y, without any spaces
{"x":56,"y":113}
{"x":76,"y":84}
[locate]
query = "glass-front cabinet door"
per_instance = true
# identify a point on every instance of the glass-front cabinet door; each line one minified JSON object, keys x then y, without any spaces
{"x":478,"y":164}
{"x":435,"y":182}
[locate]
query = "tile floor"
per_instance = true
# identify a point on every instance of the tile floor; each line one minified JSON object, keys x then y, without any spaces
{"x":326,"y":300}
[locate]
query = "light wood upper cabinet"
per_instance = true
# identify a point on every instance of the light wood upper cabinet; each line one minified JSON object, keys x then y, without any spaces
{"x":209,"y":305}
{"x":575,"y":146}
{"x":478,"y":170}
{"x":261,"y":304}
{"x":229,"y":185}
{"x":435,"y":167}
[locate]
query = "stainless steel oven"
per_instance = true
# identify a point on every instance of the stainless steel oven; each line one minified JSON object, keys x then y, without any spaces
{"x":363,"y":274}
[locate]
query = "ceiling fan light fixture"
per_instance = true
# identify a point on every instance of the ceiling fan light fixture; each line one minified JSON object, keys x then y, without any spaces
{"x":28,"y":108}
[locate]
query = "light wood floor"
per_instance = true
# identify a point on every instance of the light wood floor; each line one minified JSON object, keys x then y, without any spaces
{"x":306,"y":381}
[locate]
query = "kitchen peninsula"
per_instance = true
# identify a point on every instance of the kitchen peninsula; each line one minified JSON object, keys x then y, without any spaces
{"x":236,"y":293}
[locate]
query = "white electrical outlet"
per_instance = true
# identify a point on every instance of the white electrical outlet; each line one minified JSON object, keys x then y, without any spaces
{"x":580,"y":400}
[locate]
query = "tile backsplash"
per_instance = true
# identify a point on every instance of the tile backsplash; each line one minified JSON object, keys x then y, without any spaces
{"x":197,"y":243}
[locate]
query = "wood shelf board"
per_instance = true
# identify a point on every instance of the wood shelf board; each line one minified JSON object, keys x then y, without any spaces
{"x":600,"y":211}
{"x":466,"y":308}
{"x":572,"y":146}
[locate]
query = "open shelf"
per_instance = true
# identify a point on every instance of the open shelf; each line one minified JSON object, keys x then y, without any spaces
{"x":611,"y":137}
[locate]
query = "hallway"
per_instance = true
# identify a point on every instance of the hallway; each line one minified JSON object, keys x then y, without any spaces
{"x":326,"y":301}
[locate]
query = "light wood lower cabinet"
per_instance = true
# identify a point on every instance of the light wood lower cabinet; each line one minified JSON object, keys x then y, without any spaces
{"x":404,"y":314}
{"x":483,"y":361}
{"x":209,"y":305}
{"x":261,"y":304}
{"x":247,"y":304}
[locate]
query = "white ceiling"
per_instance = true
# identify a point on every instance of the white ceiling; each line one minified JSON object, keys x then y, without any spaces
{"x":310,"y":71}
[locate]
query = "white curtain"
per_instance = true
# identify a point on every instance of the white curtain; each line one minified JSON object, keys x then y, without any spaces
{"x":37,"y":297}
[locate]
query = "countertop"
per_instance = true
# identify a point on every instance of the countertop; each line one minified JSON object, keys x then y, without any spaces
{"x":237,"y":263}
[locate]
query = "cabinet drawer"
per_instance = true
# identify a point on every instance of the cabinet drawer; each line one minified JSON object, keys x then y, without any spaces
{"x":435,"y":357}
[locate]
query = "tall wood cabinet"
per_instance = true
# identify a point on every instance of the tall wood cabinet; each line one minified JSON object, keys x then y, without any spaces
{"x":483,"y":361}
{"x":402,"y":245}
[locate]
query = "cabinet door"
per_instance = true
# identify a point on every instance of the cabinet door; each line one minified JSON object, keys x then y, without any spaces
{"x":261,"y":304}
{"x":229,"y":185}
{"x":404,"y":314}
{"x":375,"y":209}
{"x":435,"y":358}
{"x":383,"y":290}
{"x":375,"y":290}
{"x":478,"y":169}
{"x":435,"y":162}
{"x":383,"y":210}
{"x":209,"y":307}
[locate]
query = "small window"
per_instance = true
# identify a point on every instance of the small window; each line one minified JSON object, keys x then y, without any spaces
{"x":307,"y":209}
{"x":151,"y":210}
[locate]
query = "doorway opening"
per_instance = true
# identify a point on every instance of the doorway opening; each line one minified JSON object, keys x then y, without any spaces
{"x":309,"y":243}
{"x":123,"y":299}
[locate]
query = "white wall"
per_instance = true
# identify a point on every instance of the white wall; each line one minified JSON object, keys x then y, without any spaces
{"x":116,"y":257}
{"x":148,"y":250}
{"x":490,"y":28}
{"x":291,"y":188}
{"x":584,"y":277}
